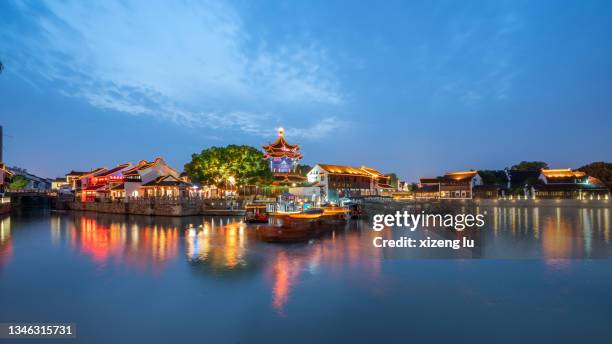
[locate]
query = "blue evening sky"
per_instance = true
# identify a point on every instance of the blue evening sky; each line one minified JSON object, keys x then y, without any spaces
{"x":416,"y":88}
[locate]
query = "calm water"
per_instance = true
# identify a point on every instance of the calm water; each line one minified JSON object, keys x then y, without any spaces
{"x":543,"y":275}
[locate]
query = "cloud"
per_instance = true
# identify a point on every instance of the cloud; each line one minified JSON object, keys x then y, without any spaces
{"x":475,"y":60}
{"x":193,"y":63}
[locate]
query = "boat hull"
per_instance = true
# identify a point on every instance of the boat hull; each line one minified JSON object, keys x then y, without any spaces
{"x":288,"y":229}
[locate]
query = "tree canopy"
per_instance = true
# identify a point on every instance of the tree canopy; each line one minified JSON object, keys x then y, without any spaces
{"x":393,"y":180}
{"x":529,"y":165}
{"x":600,"y":170}
{"x":242,"y":165}
{"x":18,"y":182}
{"x":303,"y":169}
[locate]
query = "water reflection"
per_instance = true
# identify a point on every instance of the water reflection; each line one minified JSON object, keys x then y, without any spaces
{"x":548,"y":232}
{"x":219,"y":245}
{"x":6,"y":246}
{"x":233,"y":248}
{"x":108,"y":238}
{"x":226,"y":249}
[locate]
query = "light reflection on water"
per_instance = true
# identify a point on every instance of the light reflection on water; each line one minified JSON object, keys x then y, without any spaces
{"x":216,"y":260}
{"x":6,"y":247}
{"x":547,"y":232}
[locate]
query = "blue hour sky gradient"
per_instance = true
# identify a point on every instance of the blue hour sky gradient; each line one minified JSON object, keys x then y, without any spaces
{"x":416,"y":88}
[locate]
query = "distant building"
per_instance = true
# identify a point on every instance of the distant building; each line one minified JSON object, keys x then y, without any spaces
{"x":565,"y":183}
{"x":166,"y":186}
{"x":459,"y":185}
{"x":145,"y":172}
{"x":57,"y":183}
{"x":452,"y":185}
{"x":73,"y":178}
{"x":35,"y":183}
{"x":284,"y":159}
{"x":97,"y":184}
{"x":5,"y":177}
{"x":337,"y":181}
{"x":428,"y":188}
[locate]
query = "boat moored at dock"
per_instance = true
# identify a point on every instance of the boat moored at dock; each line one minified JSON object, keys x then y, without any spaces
{"x":303,"y":225}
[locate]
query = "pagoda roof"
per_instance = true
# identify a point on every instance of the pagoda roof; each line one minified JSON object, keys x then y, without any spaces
{"x":288,"y":178}
{"x":281,"y":148}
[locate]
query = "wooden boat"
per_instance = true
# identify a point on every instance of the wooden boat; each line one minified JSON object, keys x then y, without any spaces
{"x":256,"y":213}
{"x":299,"y":226}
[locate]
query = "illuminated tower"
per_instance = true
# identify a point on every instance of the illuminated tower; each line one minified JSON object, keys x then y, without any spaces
{"x":284,"y":159}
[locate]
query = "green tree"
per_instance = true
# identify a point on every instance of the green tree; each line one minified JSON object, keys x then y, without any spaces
{"x":393,"y":180}
{"x":600,"y":170}
{"x":18,"y":182}
{"x":303,"y":169}
{"x":244,"y":165}
{"x":530,"y":165}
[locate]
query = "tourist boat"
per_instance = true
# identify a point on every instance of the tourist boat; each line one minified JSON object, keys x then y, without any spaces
{"x":299,"y":226}
{"x":256,"y":213}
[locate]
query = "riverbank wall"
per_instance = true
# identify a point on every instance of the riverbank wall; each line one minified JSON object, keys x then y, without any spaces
{"x":158,"y":207}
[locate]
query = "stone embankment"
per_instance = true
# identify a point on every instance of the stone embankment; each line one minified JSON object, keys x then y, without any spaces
{"x":158,"y":206}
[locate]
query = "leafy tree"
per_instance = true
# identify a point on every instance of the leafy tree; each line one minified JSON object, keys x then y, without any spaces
{"x":303,"y":169}
{"x":18,"y":182}
{"x":493,"y":177}
{"x":600,"y":170}
{"x":393,"y":180}
{"x":530,"y":165}
{"x":244,"y":165}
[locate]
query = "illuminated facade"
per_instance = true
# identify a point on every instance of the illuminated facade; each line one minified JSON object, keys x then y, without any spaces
{"x":284,"y":159}
{"x":565,"y":183}
{"x":452,"y":185}
{"x":338,"y":181}
{"x":5,"y":177}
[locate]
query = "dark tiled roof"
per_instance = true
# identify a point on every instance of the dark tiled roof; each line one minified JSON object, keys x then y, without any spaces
{"x":165,"y":181}
{"x":77,"y":173}
{"x":113,"y":170}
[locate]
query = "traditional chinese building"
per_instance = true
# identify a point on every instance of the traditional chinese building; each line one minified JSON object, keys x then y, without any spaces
{"x":427,"y":188}
{"x":5,"y":177}
{"x":98,"y":183}
{"x":284,"y":159}
{"x":565,"y":183}
{"x":143,"y":173}
{"x":166,"y":186}
{"x":452,"y":185}
{"x":338,"y":182}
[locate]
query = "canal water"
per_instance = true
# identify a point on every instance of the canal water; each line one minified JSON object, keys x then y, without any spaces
{"x":539,"y":275}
